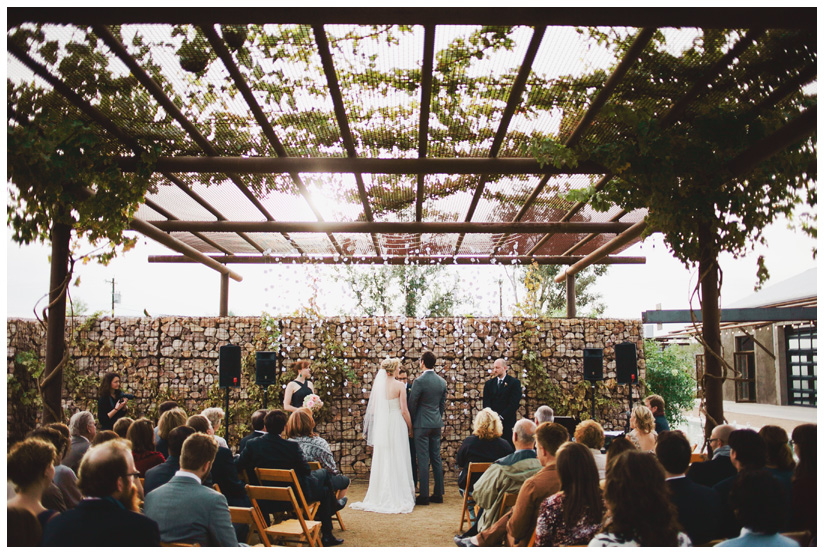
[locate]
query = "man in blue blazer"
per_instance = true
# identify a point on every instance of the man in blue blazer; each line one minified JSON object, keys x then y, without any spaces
{"x":162,"y":473}
{"x":185,"y":510}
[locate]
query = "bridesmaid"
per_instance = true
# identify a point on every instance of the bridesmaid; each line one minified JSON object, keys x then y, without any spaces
{"x":298,"y":388}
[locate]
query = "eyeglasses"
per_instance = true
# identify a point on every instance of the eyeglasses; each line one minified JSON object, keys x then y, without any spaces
{"x":711,"y":440}
{"x":135,"y":474}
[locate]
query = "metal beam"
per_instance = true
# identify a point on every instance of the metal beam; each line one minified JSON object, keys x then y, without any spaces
{"x":513,"y":102}
{"x":630,"y":57}
{"x":398,"y":260}
{"x":166,"y":214}
{"x":391,"y":227}
{"x":424,"y":113}
{"x":224,"y":306}
{"x":783,"y":17}
{"x":341,"y":116}
{"x":223,"y":53}
{"x":592,"y":236}
{"x":571,"y":295}
{"x":595,"y":257}
{"x":793,"y":314}
{"x":269,"y":165}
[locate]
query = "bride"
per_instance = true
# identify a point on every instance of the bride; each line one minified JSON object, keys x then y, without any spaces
{"x":387,"y":426}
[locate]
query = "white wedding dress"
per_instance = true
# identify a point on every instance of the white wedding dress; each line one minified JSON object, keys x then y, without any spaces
{"x":391,"y":488}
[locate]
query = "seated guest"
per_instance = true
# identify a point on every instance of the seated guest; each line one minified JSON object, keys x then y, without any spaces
{"x":108,"y":515}
{"x":121,"y":427}
{"x":30,"y":467}
{"x":517,"y":524}
{"x":543,"y":414}
{"x":656,"y":405}
{"x":103,"y":436}
{"x":187,"y":512}
{"x":272,"y":451}
{"x":617,"y":447}
{"x":22,"y":528}
{"x":82,"y":429}
{"x":215,"y":417}
{"x":709,"y":473}
{"x":803,"y":486}
{"x":162,"y":473}
{"x":169,"y":420}
{"x":223,"y":471}
{"x":699,"y":507}
{"x":485,"y":444}
{"x":141,"y":437}
{"x":64,"y":479}
{"x":574,"y":514}
{"x":506,"y":475}
{"x":591,"y":434}
{"x":639,"y":511}
{"x":642,"y":435}
{"x":163,"y":407}
{"x":756,"y":500}
{"x":780,"y":457}
{"x":299,"y":428}
{"x":257,"y":428}
{"x":747,"y":452}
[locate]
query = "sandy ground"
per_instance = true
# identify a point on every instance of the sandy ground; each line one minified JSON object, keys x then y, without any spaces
{"x":427,"y":526}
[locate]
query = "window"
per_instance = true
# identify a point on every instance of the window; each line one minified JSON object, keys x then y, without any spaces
{"x":800,"y":348}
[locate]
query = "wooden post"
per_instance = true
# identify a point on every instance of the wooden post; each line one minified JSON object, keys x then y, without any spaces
{"x":224,"y":310}
{"x":571,"y":295}
{"x":52,"y":385}
{"x":711,"y":332}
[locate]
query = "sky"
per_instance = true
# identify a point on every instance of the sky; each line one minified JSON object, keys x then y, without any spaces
{"x":194,"y":290}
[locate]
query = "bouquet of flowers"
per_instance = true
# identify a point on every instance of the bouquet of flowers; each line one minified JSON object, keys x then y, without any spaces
{"x":313,"y":402}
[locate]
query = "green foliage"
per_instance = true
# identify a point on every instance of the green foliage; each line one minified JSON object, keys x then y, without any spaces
{"x":28,"y":370}
{"x":546,"y":298}
{"x":670,"y":373}
{"x":681,"y":173}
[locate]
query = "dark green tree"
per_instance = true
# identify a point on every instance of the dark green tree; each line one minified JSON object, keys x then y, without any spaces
{"x":544,"y":298}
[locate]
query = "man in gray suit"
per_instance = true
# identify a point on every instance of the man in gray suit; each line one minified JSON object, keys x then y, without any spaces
{"x":185,"y":510}
{"x":428,"y":401}
{"x":82,"y":428}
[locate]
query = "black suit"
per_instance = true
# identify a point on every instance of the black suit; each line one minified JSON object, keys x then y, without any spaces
{"x":225,"y":475}
{"x":272,"y":451}
{"x":710,"y":473}
{"x":100,"y":523}
{"x":699,"y":507}
{"x":160,"y":474}
{"x":505,"y":401}
{"x":245,"y":439}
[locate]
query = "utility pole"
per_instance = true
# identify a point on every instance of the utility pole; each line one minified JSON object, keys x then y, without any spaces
{"x":500,"y":299}
{"x":113,"y":295}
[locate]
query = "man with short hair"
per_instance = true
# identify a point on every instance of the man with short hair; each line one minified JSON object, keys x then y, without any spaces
{"x":257,"y":428}
{"x":223,"y":471}
{"x":517,"y":524}
{"x":748,"y":451}
{"x":428,"y":403}
{"x":108,"y":515}
{"x":507,"y":474}
{"x":502,"y":393}
{"x":272,"y":451}
{"x":543,"y":414}
{"x":162,"y":473}
{"x":656,"y":404}
{"x":699,"y":507}
{"x":185,"y":510}
{"x":709,"y":473}
{"x":82,"y":429}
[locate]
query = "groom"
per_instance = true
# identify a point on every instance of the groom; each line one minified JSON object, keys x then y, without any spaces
{"x":428,"y":401}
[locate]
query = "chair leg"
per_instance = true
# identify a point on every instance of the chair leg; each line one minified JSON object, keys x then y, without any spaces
{"x":340,"y":522}
{"x":463,"y":513}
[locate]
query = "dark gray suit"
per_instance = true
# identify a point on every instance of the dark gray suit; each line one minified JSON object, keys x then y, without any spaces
{"x":428,"y":401}
{"x":76,"y":451}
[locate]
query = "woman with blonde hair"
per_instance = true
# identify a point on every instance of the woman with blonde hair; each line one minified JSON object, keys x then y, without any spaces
{"x":485,"y":444}
{"x":387,"y":425}
{"x":300,"y":387}
{"x":169,"y":420}
{"x":300,"y":429}
{"x":643,"y":434}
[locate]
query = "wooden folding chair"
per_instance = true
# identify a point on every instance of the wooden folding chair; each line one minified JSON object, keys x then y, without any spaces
{"x":472,"y":468}
{"x":178,"y":544}
{"x":289,"y":477}
{"x":216,"y":487}
{"x":802,"y":537}
{"x":696,"y":457}
{"x":315,"y":465}
{"x":296,"y":530}
{"x":509,"y":500}
{"x":253,"y":518}
{"x":532,"y":539}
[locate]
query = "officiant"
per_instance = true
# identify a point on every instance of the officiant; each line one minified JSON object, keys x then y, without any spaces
{"x":502,"y":393}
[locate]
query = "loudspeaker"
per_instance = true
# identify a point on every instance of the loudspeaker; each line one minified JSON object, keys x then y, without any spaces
{"x":626,"y":371}
{"x":229,"y":366}
{"x":265,"y":364}
{"x":593,"y":364}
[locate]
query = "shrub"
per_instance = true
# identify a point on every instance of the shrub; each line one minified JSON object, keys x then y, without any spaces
{"x":670,"y":373}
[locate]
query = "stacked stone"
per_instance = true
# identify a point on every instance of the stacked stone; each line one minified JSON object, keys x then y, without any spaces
{"x":180,"y":355}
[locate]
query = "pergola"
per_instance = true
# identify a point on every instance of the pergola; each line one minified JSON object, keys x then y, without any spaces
{"x":379,"y":135}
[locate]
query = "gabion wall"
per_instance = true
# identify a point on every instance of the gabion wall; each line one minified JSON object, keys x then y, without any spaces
{"x":177,"y":356}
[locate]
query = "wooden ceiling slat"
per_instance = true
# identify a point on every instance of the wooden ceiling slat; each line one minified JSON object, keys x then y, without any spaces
{"x":399,"y":260}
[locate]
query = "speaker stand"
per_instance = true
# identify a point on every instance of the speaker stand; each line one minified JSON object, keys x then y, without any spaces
{"x":226,"y":415}
{"x":593,"y":400}
{"x":630,"y":407}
